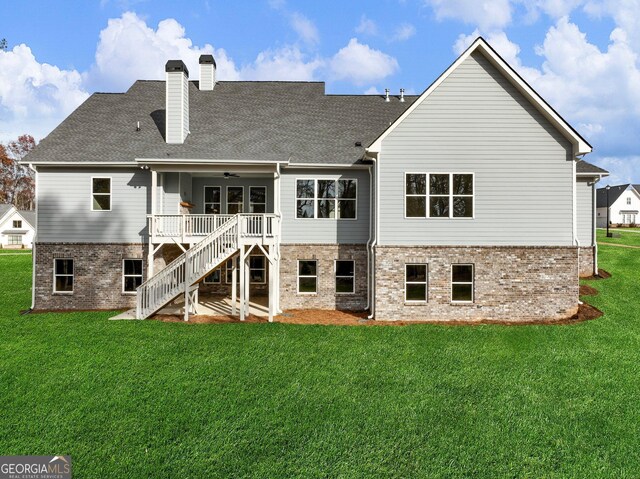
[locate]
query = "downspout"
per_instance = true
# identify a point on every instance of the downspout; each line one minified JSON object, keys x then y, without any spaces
{"x":279,"y":213}
{"x":373,"y":231}
{"x":33,"y":245}
{"x":593,"y":232}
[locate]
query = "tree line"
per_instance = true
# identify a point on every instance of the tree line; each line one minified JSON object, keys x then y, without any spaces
{"x":17,"y":181}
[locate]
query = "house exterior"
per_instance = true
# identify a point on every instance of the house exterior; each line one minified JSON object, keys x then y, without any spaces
{"x":469,"y":201}
{"x":17,"y":227}
{"x":623,"y":204}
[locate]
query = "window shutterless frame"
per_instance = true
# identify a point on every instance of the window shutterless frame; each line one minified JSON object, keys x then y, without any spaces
{"x":134,"y":276}
{"x":339,"y":203}
{"x":257,"y":206}
{"x":257,"y":263}
{"x":450,"y":195}
{"x":17,"y":223}
{"x":215,"y":277}
{"x":14,"y":240}
{"x":100,"y":196}
{"x":63,"y":268}
{"x":307,"y":278}
{"x":238,"y":204}
{"x":416,"y":283}
{"x":463,"y":284}
{"x":212,"y":204}
{"x":345,"y":275}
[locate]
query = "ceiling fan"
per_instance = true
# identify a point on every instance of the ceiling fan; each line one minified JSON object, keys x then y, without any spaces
{"x":228,"y":175}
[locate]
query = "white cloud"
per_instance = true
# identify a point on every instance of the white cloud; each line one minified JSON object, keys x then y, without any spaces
{"x":129,"y":50}
{"x":361,"y":64}
{"x":486,"y":14}
{"x":621,"y":169}
{"x":34,"y":97}
{"x":403,"y":32}
{"x":287,"y":63}
{"x":498,"y":40}
{"x":304,"y":28}
{"x":367,"y":26}
{"x":372,"y":90}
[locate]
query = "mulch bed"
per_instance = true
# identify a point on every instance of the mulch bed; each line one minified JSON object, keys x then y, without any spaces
{"x":586,"y":290}
{"x":602,"y":274}
{"x":323,"y":317}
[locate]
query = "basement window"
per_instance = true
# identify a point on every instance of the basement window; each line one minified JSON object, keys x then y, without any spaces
{"x":215,"y":277}
{"x":257,"y":269}
{"x":462,"y":283}
{"x":415,"y":282}
{"x":307,"y":277}
{"x":131,"y":275}
{"x":345,"y":276}
{"x":63,"y":275}
{"x":100,"y":194}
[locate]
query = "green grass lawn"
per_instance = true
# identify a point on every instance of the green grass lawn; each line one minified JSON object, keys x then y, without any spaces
{"x":627,"y":237}
{"x":14,"y":251}
{"x":145,"y":399}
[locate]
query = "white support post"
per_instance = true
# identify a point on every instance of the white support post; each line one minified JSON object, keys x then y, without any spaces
{"x":152,"y":226}
{"x":186,"y":304}
{"x":247,"y":278}
{"x":234,"y":287}
{"x":272,"y":291}
{"x":242,"y":285}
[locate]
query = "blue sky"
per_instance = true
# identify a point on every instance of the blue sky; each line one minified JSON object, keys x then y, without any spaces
{"x":581,"y":55}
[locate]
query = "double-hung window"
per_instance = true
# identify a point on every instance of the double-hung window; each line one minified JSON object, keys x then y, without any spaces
{"x":345,"y":276}
{"x":212,"y":200}
{"x":326,"y":198}
{"x":257,"y":269}
{"x":462,"y":283}
{"x":17,"y":223}
{"x":415,"y":282}
{"x":235,"y":199}
{"x":307,"y":276}
{"x":439,"y":195}
{"x":131,"y":275}
{"x":63,"y":275}
{"x":257,"y":199}
{"x":101,"y":194}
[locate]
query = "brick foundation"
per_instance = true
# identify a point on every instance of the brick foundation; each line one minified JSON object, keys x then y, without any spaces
{"x":511,"y":283}
{"x":587,"y":259}
{"x":326,"y":297}
{"x":97,"y":275}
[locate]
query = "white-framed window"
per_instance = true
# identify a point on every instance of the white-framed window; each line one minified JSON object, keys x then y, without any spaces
{"x":439,"y":195}
{"x":326,"y":198}
{"x":14,"y":240}
{"x":63,"y":274}
{"x":229,"y":270}
{"x":629,"y":200}
{"x":100,"y":194}
{"x":131,"y":274}
{"x":345,"y":276}
{"x":307,"y":276}
{"x":235,"y":199}
{"x":215,"y":277}
{"x":257,"y":199}
{"x":462,"y":277}
{"x":257,"y":269}
{"x":415,"y":282}
{"x":212,"y":200}
{"x":17,"y":223}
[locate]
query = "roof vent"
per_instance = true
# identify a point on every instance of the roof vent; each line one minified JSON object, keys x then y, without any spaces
{"x":386,"y":94}
{"x":402,"y":94}
{"x":207,"y":72}
{"x":358,"y":143}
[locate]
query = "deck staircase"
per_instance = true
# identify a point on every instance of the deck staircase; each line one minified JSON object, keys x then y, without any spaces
{"x":189,"y":268}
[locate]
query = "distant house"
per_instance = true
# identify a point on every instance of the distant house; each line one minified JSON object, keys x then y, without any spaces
{"x":17,"y":227}
{"x":624,"y":205}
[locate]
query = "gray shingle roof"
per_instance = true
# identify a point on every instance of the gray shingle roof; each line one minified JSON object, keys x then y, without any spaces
{"x":29,"y":216}
{"x":585,"y":167}
{"x":4,"y":208}
{"x":614,"y":194}
{"x":260,"y":121}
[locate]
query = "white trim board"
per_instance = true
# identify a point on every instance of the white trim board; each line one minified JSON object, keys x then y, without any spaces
{"x":580,"y":145}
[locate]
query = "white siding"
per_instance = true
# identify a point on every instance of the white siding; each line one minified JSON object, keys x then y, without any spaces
{"x":329,"y":231}
{"x":477,"y":122}
{"x":177,"y":107}
{"x":584,"y":209}
{"x":64,"y":206}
